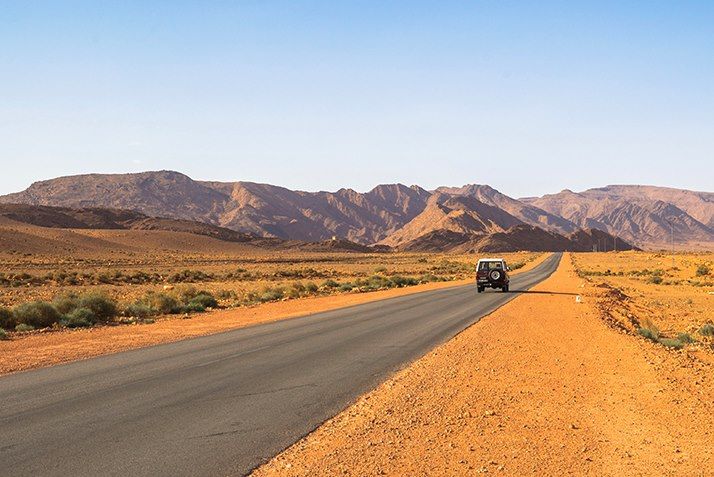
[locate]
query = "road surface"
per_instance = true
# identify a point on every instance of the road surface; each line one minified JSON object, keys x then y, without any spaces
{"x":223,"y":404}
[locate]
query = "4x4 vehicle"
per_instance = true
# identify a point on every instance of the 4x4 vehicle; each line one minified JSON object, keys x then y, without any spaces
{"x":492,"y":273}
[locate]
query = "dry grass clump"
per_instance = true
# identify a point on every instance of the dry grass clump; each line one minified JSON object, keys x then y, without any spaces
{"x":675,"y":291}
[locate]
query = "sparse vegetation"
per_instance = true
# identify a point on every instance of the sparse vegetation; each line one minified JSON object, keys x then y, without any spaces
{"x":102,"y":307}
{"x":3,"y":335}
{"x":38,"y":314}
{"x":671,"y":343}
{"x":7,"y":318}
{"x":702,"y":270}
{"x":94,"y":296}
{"x":686,"y":338}
{"x":707,"y":329}
{"x":651,"y":334}
{"x":79,"y":318}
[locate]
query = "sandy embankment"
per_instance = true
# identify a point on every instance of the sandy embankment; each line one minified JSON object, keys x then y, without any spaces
{"x":542,"y":386}
{"x":37,"y":350}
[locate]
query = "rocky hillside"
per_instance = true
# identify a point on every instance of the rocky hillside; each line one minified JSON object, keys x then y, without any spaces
{"x":113,"y":219}
{"x":644,"y":215}
{"x":392,"y":214}
{"x":520,"y":237}
{"x":525,"y":212}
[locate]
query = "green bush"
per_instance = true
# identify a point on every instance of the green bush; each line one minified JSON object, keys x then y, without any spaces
{"x":311,"y":288}
{"x":3,"y":335}
{"x":345,"y":287}
{"x":649,"y":333}
{"x":707,"y":330}
{"x":702,"y":270}
{"x":671,"y":343}
{"x":430,"y":277}
{"x":272,"y":294}
{"x":163,"y":304}
{"x":24,"y":327}
{"x":400,"y":281}
{"x":205,"y":300}
{"x":79,"y":318}
{"x":656,"y":279}
{"x":195,"y":307}
{"x":38,"y":314}
{"x":330,"y":283}
{"x":66,"y":303}
{"x":296,"y":290}
{"x":686,"y":338}
{"x":104,"y":308}
{"x":138,"y":310}
{"x":7,"y":318}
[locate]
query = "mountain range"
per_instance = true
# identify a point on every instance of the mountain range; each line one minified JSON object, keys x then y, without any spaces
{"x":463,"y":218}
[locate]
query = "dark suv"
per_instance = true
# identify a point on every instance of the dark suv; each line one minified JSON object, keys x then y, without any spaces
{"x":492,"y":273}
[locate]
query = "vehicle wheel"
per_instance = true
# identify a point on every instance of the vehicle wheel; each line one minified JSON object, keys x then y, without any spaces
{"x":505,"y":289}
{"x":479,"y":289}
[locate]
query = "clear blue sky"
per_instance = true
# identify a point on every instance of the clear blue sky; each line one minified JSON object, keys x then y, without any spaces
{"x":529,"y":97}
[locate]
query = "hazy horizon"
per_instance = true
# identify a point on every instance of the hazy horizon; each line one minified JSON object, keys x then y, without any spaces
{"x":527,"y":98}
{"x":367,"y":189}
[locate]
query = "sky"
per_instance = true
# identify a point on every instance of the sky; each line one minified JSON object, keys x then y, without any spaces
{"x":528,"y":97}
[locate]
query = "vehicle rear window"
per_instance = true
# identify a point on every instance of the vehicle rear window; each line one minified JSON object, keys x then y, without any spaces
{"x":490,"y":266}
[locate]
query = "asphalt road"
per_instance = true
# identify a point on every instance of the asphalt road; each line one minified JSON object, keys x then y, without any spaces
{"x":223,"y":404}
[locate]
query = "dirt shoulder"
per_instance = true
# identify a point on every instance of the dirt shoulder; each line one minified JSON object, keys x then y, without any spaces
{"x":541,"y":386}
{"x":37,"y":350}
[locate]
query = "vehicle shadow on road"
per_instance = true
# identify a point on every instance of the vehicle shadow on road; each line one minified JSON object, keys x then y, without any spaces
{"x":542,"y":292}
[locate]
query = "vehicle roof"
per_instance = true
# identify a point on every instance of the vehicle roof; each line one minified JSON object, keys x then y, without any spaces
{"x":491,"y":260}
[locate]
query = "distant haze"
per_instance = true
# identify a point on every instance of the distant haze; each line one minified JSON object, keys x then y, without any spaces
{"x":528,"y":97}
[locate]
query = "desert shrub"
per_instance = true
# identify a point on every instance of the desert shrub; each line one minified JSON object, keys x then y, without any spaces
{"x":66,"y":303}
{"x":185,"y":293}
{"x":400,"y":281}
{"x":656,"y":279}
{"x":190,"y":276}
{"x":79,"y":318}
{"x":226,"y":294}
{"x":380,"y":270}
{"x":103,"y":307}
{"x":3,"y":335}
{"x":272,"y":294}
{"x":707,"y":330}
{"x":517,"y":265}
{"x":375,"y":282}
{"x":330,"y":283}
{"x":194,"y":307}
{"x":345,"y":287}
{"x":24,"y":327}
{"x":205,"y":300}
{"x":138,"y":310}
{"x":295,"y":290}
{"x":430,"y":277}
{"x":162,"y":303}
{"x":686,"y":338}
{"x":702,"y":270}
{"x":7,"y":318}
{"x":38,"y":314}
{"x":671,"y":343}
{"x":649,"y":333}
{"x":311,"y":288}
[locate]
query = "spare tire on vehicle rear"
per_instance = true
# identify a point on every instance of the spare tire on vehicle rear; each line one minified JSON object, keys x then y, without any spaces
{"x":495,"y":275}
